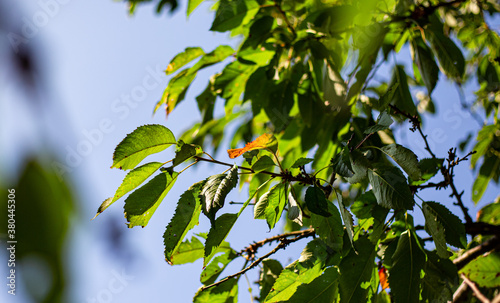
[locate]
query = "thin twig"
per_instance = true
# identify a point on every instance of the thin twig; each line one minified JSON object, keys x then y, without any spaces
{"x":472,"y":253}
{"x":252,"y":248}
{"x":476,"y":290}
{"x":288,"y":24}
{"x":283,"y":243}
{"x":460,"y":292}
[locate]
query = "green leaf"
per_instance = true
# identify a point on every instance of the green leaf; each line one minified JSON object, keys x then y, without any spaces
{"x":176,"y":90}
{"x":215,"y":268}
{"x":105,"y":204}
{"x":402,"y":97}
{"x":342,"y":164}
{"x":271,"y":269}
{"x":390,"y":188}
{"x":301,"y":162}
{"x":218,"y":233}
{"x":271,"y":204}
{"x":226,"y":292}
{"x":404,"y":275}
{"x":385,"y":100}
{"x":316,"y":201}
{"x":322,"y":289}
{"x":449,"y":55}
{"x":356,"y":270}
{"x":436,"y":230}
{"x":215,"y":190}
{"x":185,"y":152}
{"x":181,"y":59}
{"x":263,"y":163}
{"x":142,"y":203}
{"x":187,"y":252}
{"x":424,"y":60}
{"x":346,"y":217}
{"x":185,"y":218}
{"x":484,"y":270}
{"x":484,"y":138}
{"x":488,"y":170}
{"x":303,"y":271}
{"x":220,"y":53}
{"x":360,"y":166}
{"x":192,"y":5}
{"x":490,"y":213}
{"x":231,"y":14}
{"x":329,"y":229}
{"x":454,"y":228}
{"x":405,"y":158}
{"x":142,"y":142}
{"x":440,"y":280}
{"x":429,"y":167}
{"x":384,"y":120}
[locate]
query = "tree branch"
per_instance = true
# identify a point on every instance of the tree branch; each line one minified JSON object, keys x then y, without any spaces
{"x":283,"y":243}
{"x":475,"y":290}
{"x":471,"y":254}
{"x":252,"y":249}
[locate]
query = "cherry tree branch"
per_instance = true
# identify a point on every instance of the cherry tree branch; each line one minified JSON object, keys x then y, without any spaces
{"x":283,"y":243}
{"x":475,"y":290}
{"x":471,"y":254}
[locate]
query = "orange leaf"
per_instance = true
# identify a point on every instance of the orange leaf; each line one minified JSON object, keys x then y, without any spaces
{"x":266,"y":141}
{"x":382,"y":275}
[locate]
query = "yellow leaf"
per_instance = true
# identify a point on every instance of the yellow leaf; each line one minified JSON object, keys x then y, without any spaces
{"x":265,"y":141}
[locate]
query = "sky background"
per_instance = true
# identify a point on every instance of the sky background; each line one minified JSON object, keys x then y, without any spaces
{"x":93,"y":58}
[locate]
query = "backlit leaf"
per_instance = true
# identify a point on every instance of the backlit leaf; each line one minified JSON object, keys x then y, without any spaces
{"x":484,"y":270}
{"x":265,"y":141}
{"x":263,"y":163}
{"x":231,"y":14}
{"x":142,"y":142}
{"x":322,"y":289}
{"x":217,"y":234}
{"x":142,"y":203}
{"x":185,"y":152}
{"x":302,"y":271}
{"x":271,"y":204}
{"x":181,"y":59}
{"x":454,"y":228}
{"x":185,"y":218}
{"x":329,"y":229}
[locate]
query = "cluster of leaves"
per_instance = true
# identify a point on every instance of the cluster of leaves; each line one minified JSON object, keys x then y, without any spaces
{"x":303,"y":76}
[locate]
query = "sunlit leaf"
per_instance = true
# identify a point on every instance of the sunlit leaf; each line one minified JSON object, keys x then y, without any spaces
{"x":265,"y":141}
{"x":484,"y":270}
{"x":302,"y":271}
{"x":142,"y":203}
{"x":226,"y":292}
{"x":181,"y":59}
{"x":212,"y":271}
{"x":142,"y":142}
{"x":192,"y":5}
{"x":322,"y":289}
{"x":231,"y":13}
{"x":271,"y":204}
{"x":185,"y":152}
{"x":185,"y":218}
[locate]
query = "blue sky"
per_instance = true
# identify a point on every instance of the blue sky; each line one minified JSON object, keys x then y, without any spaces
{"x":102,"y":73}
